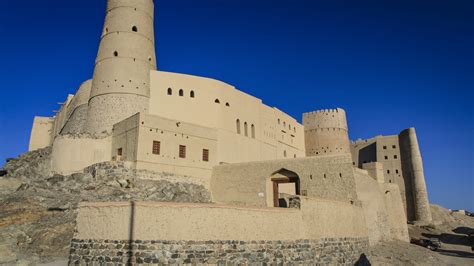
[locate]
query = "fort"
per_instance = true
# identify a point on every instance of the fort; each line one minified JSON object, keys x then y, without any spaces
{"x":280,"y":191}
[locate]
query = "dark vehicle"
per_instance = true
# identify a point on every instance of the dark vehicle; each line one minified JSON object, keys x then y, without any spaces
{"x":432,"y":243}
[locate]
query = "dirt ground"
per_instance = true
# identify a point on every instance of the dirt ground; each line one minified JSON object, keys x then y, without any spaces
{"x":450,"y":228}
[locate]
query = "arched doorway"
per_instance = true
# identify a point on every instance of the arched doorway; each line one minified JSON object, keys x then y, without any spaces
{"x":284,"y":184}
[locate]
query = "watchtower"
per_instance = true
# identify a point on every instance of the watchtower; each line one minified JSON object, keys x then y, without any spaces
{"x":326,"y":132}
{"x":121,"y":82}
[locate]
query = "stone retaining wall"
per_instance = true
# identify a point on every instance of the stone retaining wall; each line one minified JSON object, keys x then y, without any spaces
{"x":341,"y":251}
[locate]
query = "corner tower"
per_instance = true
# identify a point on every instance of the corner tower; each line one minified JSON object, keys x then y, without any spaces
{"x":418,"y":206}
{"x":326,"y":132}
{"x":121,"y":82}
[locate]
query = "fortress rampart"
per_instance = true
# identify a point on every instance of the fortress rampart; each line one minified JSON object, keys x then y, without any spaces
{"x":326,"y":132}
{"x":121,"y":82}
{"x":76,"y":112}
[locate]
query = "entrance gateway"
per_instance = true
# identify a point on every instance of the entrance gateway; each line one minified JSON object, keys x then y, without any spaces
{"x":285,"y":185}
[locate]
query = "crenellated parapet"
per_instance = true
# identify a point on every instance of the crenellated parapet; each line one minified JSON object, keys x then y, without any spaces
{"x":326,"y":132}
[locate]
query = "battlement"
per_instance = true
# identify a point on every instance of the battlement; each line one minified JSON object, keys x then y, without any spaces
{"x":325,"y":119}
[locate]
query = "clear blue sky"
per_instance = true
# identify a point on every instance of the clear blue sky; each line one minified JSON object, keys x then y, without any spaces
{"x":391,"y":64}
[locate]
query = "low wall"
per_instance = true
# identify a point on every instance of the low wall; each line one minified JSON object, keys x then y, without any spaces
{"x":71,"y":154}
{"x":152,"y":232}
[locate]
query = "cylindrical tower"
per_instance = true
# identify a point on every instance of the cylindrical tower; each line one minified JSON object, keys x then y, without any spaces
{"x":418,"y":206}
{"x":121,"y":82}
{"x":326,"y":132}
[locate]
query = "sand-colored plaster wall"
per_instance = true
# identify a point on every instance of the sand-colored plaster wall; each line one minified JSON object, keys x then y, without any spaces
{"x":383,"y":209}
{"x":324,"y":177}
{"x":72,"y":154}
{"x":197,"y":222}
{"x":41,"y":133}
{"x":247,"y":129}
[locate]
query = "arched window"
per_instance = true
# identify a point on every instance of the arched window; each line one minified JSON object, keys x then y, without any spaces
{"x":115,"y":53}
{"x":134,"y":29}
{"x":237,"y":123}
{"x":252,"y":129}
{"x":246,"y":130}
{"x":191,"y":94}
{"x":217,"y":101}
{"x":170,"y":91}
{"x":181,"y":93}
{"x":227,"y":104}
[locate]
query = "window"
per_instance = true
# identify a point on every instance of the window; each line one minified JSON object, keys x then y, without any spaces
{"x":253,"y":131}
{"x":384,"y":147}
{"x":134,"y":29}
{"x":217,"y":101}
{"x":181,"y":93}
{"x":191,"y":94}
{"x":279,"y":121}
{"x":388,"y":171}
{"x":386,"y":157}
{"x":395,"y":157}
{"x":227,"y":104}
{"x":119,"y":151}
{"x":115,"y":53}
{"x":396,"y":171}
{"x":246,"y":131}
{"x":170,"y":91}
{"x":182,"y":151}
{"x":394,"y":146}
{"x":237,"y":124}
{"x":284,"y":154}
{"x":156,"y":147}
{"x":205,"y":155}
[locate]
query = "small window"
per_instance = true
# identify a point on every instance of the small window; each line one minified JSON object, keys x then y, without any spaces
{"x":115,"y":53}
{"x":205,"y":155}
{"x":119,"y":151}
{"x":279,"y":121}
{"x":182,"y":151}
{"x":227,"y":104}
{"x":396,"y":171}
{"x":386,"y":157}
{"x":217,"y":101}
{"x":237,"y":124}
{"x":395,"y":157}
{"x":388,"y":171}
{"x":170,"y":91}
{"x":252,"y":129}
{"x":394,"y":146}
{"x":134,"y":29}
{"x":384,"y":147}
{"x":156,"y":147}
{"x":191,"y":94}
{"x":340,"y":175}
{"x":181,"y":93}
{"x":246,"y":131}
{"x":284,"y":154}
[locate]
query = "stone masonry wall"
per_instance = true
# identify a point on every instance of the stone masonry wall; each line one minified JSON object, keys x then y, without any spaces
{"x":341,"y":251}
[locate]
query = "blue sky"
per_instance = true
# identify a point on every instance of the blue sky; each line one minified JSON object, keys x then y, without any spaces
{"x":390,"y":64}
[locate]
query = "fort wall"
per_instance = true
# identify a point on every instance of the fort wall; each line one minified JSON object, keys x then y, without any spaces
{"x":170,"y":232}
{"x":325,"y":177}
{"x":326,"y":132}
{"x":41,"y":133}
{"x":383,"y":209}
{"x":76,"y":113}
{"x":73,"y":153}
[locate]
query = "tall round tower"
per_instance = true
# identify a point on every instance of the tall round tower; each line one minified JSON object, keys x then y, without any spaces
{"x":326,"y":132}
{"x":121,"y":82}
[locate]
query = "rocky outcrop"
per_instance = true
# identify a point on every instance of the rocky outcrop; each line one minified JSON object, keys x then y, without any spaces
{"x":38,"y":209}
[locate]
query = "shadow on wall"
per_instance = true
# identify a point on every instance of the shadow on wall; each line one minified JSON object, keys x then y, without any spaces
{"x":362,"y":261}
{"x":368,"y":154}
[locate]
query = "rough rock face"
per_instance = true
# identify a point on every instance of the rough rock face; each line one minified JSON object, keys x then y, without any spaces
{"x":38,"y":210}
